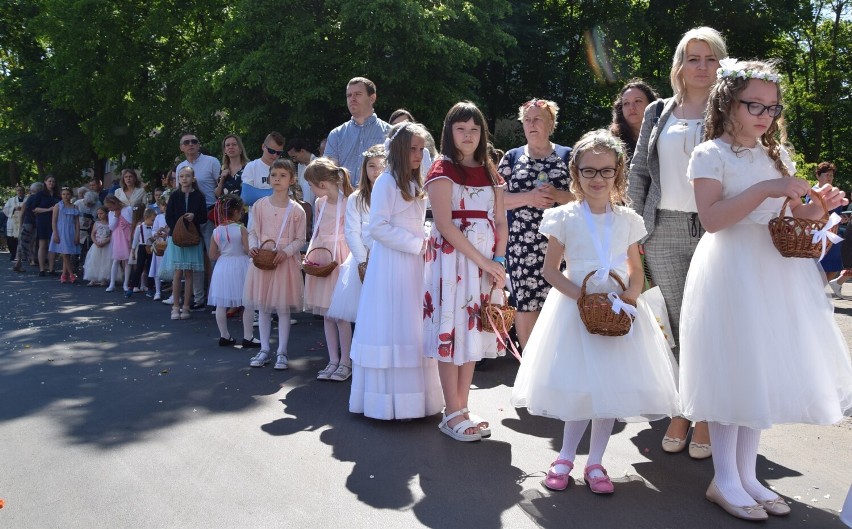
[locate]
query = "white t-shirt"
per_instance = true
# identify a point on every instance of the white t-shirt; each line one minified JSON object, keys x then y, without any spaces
{"x":674,"y":147}
{"x":307,"y":195}
{"x":256,"y":174}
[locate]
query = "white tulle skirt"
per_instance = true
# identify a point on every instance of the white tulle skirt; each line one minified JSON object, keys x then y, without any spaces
{"x":758,"y":341}
{"x":228,"y":281}
{"x":347,"y":292}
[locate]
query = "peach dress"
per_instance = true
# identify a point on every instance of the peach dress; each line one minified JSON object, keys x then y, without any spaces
{"x":329,"y":233}
{"x":278,"y":290}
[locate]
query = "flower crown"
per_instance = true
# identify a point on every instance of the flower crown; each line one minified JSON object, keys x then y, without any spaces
{"x":397,"y":131}
{"x":733,"y":69}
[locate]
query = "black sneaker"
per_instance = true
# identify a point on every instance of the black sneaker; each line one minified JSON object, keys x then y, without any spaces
{"x":42,"y":273}
{"x":195,"y":307}
{"x":254,"y":343}
{"x":226,"y":342}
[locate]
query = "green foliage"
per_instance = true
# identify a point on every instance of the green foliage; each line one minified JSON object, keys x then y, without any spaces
{"x":82,"y":81}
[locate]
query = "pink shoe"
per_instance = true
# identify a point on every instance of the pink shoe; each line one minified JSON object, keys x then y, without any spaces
{"x":555,"y":481}
{"x":598,"y":485}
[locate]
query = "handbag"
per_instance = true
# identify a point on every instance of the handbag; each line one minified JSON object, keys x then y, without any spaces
{"x":185,"y":234}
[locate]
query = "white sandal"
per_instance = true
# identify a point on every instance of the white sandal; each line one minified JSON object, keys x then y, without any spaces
{"x":457,"y":431}
{"x":484,"y":431}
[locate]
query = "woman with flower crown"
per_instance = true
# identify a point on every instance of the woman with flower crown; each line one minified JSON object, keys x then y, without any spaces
{"x":662,"y":195}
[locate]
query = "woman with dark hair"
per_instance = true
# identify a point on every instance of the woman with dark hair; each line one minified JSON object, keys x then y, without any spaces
{"x":43,"y":208}
{"x":628,"y":109}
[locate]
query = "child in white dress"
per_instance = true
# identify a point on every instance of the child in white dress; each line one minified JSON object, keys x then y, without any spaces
{"x":391,"y":379}
{"x":96,"y":269}
{"x":347,"y":292}
{"x":229,"y":247}
{"x":568,"y":373}
{"x":758,"y":341}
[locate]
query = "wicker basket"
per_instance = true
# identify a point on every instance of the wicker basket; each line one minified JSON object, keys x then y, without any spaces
{"x":265,"y":258}
{"x":596,"y":311}
{"x":160,"y":245}
{"x":362,"y":270}
{"x":503,"y":315}
{"x":317,"y":270}
{"x":793,"y":237}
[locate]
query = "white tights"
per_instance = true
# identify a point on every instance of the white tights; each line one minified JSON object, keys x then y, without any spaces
{"x":115,"y":271}
{"x":735,"y":464}
{"x":264,"y":328}
{"x":222,"y":323}
{"x":338,"y":337}
{"x":574,"y":430}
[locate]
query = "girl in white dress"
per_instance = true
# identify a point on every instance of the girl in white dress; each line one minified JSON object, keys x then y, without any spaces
{"x":391,"y":379}
{"x":465,"y":257}
{"x":347,"y":292}
{"x":229,"y":248}
{"x":96,"y":269}
{"x":759,"y":343}
{"x":573,"y":375}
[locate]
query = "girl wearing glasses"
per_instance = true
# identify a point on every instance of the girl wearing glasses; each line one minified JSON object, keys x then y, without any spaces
{"x":733,"y":375}
{"x":536,"y":178}
{"x":567,"y":372}
{"x":661,"y":193}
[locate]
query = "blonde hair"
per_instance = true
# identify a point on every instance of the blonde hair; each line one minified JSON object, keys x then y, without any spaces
{"x":399,"y":160}
{"x":600,"y":141}
{"x":706,"y":34}
{"x":720,"y":108}
{"x":325,"y":170}
{"x":551,"y":106}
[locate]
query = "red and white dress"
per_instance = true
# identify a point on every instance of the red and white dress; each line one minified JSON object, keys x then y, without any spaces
{"x":455,"y":286}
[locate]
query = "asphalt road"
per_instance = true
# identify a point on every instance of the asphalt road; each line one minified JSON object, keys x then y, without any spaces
{"x":112,"y":415}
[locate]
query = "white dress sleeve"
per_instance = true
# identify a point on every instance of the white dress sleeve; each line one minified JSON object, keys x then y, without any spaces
{"x":353,"y":229}
{"x":706,"y":162}
{"x":384,"y":197}
{"x":553,"y":224}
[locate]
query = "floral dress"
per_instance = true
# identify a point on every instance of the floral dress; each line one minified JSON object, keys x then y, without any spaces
{"x":455,"y":286}
{"x":526,"y":246}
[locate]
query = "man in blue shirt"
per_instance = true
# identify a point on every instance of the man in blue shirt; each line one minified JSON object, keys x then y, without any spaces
{"x":347,"y":142}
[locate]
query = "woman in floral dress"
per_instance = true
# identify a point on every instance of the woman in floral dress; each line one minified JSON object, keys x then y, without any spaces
{"x":537,"y":178}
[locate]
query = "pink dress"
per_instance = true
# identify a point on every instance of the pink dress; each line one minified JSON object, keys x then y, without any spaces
{"x":278,"y":290}
{"x":121,"y":229}
{"x":318,"y":290}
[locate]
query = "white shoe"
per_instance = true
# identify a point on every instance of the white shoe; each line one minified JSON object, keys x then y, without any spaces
{"x":168,"y":301}
{"x":281,"y":362}
{"x":836,"y":288}
{"x":260,"y":359}
{"x":157,"y":296}
{"x":110,"y":289}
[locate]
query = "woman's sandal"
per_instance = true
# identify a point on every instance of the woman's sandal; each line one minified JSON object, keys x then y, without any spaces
{"x":484,"y":431}
{"x":457,"y":431}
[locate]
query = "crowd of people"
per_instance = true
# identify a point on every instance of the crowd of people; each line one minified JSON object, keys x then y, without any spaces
{"x":676,"y":193}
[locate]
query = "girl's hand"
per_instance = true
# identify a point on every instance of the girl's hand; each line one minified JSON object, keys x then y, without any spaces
{"x":495,"y":273}
{"x":56,"y":238}
{"x":189,"y":216}
{"x":832,"y":196}
{"x":280,"y":256}
{"x":786,"y":187}
{"x":253,"y":252}
{"x":541,"y":197}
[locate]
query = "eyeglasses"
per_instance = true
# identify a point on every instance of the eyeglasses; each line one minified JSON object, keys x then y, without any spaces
{"x":541,"y":103}
{"x":273,"y":152}
{"x":193,"y":141}
{"x":757,"y":109}
{"x":589,"y":172}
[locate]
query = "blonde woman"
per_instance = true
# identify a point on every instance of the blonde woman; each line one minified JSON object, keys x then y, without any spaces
{"x":660,"y":192}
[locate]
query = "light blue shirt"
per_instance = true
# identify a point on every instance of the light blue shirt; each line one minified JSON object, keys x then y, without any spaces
{"x":207,"y":171}
{"x":347,"y":143}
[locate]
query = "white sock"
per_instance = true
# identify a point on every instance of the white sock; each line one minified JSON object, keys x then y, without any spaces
{"x":113,"y":273}
{"x":264,"y":328}
{"x":601,"y":432}
{"x":332,"y":340}
{"x":222,"y":321}
{"x":283,"y":332}
{"x":157,"y":284}
{"x":724,"y":441}
{"x":747,"y":441}
{"x":571,"y":436}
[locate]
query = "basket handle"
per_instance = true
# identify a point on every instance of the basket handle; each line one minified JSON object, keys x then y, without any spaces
{"x":264,"y":244}
{"x":502,"y":293}
{"x":590,"y":274}
{"x":319,"y":248}
{"x":812,"y":195}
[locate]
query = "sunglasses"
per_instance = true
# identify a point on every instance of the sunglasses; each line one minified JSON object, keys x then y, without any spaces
{"x":757,"y":109}
{"x":273,"y":152}
{"x":190,"y":142}
{"x":541,"y":103}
